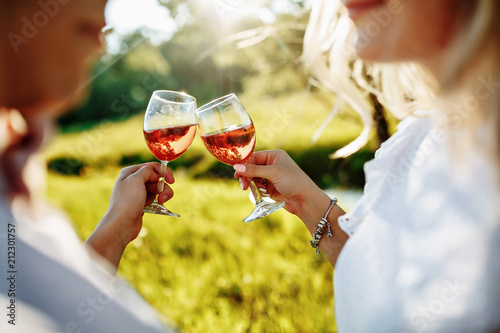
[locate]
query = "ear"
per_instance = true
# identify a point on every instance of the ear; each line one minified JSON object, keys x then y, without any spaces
{"x":13,"y":128}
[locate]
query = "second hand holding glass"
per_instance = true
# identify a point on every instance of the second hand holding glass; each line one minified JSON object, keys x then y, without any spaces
{"x":229,"y":134}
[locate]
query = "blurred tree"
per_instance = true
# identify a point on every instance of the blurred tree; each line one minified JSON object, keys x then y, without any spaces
{"x":247,"y":54}
{"x":212,"y":53}
{"x":122,"y":83}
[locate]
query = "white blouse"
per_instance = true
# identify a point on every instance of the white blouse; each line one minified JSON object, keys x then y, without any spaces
{"x":424,"y":246}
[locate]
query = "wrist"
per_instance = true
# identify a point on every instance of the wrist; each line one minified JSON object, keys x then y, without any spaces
{"x":107,"y":241}
{"x":117,"y":228}
{"x":312,"y":208}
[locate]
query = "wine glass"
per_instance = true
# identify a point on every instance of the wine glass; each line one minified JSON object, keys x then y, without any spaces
{"x":169,"y":129}
{"x":229,"y":134}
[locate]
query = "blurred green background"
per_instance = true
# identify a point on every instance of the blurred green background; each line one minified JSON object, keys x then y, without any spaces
{"x":207,"y":271}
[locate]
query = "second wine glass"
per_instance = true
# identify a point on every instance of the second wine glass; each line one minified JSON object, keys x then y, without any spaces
{"x":169,"y":129}
{"x":229,"y":134}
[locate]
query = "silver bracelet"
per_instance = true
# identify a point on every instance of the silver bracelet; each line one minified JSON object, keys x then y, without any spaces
{"x":321,"y":228}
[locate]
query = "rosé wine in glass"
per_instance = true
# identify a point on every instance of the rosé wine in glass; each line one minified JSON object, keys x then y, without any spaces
{"x":233,"y":146}
{"x":169,"y":143}
{"x":169,"y":129}
{"x":229,"y":135}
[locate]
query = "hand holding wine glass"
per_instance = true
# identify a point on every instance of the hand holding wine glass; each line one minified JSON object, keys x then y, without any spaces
{"x":136,"y":185}
{"x":169,"y":129}
{"x":229,"y":135}
{"x":286,"y":181}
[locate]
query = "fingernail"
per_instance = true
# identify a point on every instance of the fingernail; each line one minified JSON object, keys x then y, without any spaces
{"x":239,"y":167}
{"x":165,"y":197}
{"x":241,"y":185}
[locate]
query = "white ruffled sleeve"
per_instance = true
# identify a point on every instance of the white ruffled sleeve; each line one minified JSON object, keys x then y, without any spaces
{"x":411,"y":131}
{"x":424,"y":245}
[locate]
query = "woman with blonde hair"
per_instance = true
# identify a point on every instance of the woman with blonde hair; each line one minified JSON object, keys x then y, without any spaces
{"x":419,"y":252}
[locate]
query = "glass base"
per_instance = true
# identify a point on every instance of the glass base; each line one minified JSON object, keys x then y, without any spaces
{"x":263,"y":208}
{"x":156,"y":208}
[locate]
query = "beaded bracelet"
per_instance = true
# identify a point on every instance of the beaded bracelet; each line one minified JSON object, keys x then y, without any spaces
{"x":321,"y":228}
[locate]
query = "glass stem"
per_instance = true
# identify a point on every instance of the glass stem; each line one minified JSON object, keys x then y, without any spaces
{"x":255,"y":191}
{"x":161,"y":181}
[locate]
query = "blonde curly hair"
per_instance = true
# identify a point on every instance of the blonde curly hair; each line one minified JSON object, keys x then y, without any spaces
{"x":465,"y":93}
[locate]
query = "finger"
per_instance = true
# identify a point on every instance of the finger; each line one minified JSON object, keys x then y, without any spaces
{"x":273,"y":192}
{"x":256,"y":171}
{"x":152,"y":187}
{"x":169,"y":176}
{"x":165,"y":195}
{"x":266,"y":157}
{"x":125,"y":172}
{"x":260,"y":158}
{"x":260,"y":182}
{"x":147,"y":173}
{"x":149,"y":199}
{"x":244,"y":183}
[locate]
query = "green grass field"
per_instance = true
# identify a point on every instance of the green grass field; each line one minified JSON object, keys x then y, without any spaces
{"x":208,"y":271}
